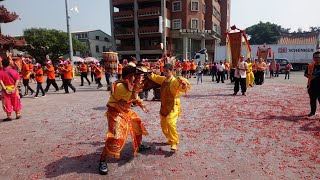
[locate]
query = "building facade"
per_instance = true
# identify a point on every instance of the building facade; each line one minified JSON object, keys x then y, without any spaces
{"x":149,"y":28}
{"x":96,"y":41}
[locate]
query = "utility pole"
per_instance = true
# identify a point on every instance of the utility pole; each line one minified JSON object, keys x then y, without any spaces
{"x":69,"y":33}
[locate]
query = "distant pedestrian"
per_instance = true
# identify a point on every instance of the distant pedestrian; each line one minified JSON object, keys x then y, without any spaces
{"x":277,"y":69}
{"x":287,"y":71}
{"x":51,"y":77}
{"x":313,"y":75}
{"x":220,"y":72}
{"x":214,"y":71}
{"x":199,"y":72}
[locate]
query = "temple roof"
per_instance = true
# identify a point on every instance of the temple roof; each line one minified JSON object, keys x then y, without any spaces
{"x":7,"y":40}
{"x":299,"y":38}
{"x":6,"y":16}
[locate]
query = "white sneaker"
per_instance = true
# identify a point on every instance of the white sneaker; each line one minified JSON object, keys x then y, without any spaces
{"x":35,"y":97}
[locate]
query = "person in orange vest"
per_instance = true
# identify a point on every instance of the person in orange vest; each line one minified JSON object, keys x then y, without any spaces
{"x":25,"y":73}
{"x":51,"y":77}
{"x":161,"y":64}
{"x":39,"y":79}
{"x":91,"y":68}
{"x":188,"y":69}
{"x":98,"y":71}
{"x":313,"y":75}
{"x":184,"y":69}
{"x":147,"y":64}
{"x":120,"y":67}
{"x":84,"y":72}
{"x":61,"y":73}
{"x":193,"y":68}
{"x":67,"y":72}
{"x":32,"y":76}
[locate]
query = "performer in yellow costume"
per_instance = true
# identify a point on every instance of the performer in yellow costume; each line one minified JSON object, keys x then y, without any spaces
{"x":122,"y":120}
{"x":171,"y":89}
{"x":250,"y":75}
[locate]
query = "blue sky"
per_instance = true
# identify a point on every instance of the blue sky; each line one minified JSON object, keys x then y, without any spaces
{"x":94,"y":14}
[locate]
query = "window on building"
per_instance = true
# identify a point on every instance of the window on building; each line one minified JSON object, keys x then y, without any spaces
{"x":104,"y":49}
{"x":97,"y":49}
{"x":176,"y":23}
{"x":86,"y":35}
{"x":204,"y":8}
{"x":106,"y":39}
{"x":194,"y":5}
{"x":97,"y":37}
{"x":82,"y":36}
{"x":203,"y":24}
{"x":194,"y":23}
{"x":176,"y":6}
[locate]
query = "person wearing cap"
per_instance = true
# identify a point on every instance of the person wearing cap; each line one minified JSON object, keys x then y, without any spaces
{"x":39,"y":79}
{"x":98,"y":71}
{"x":51,"y":77}
{"x":9,"y":80}
{"x":67,"y":73}
{"x":313,"y":75}
{"x":25,"y":73}
{"x":122,"y":120}
{"x":240,"y":76}
{"x":84,"y":72}
{"x":170,"y":91}
{"x":61,"y":73}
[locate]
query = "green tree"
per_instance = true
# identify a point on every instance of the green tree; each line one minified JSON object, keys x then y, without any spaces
{"x":265,"y":33}
{"x":42,"y":42}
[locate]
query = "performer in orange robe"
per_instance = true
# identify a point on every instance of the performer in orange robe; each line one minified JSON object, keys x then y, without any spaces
{"x":25,"y":73}
{"x":84,"y":72}
{"x":120,"y":70}
{"x":122,"y":120}
{"x":39,"y":79}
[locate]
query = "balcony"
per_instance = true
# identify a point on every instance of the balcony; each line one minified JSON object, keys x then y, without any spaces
{"x":149,"y":30}
{"x":152,"y":11}
{"x":121,"y":2}
{"x":124,"y":33}
{"x":122,"y":15}
{"x":126,"y":48}
{"x":155,"y":47}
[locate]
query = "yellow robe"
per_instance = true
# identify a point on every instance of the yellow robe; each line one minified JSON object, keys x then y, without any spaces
{"x":169,"y":122}
{"x":250,"y":76}
{"x":122,"y":121}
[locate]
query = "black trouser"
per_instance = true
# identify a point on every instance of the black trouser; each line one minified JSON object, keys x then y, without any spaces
{"x":25,"y":83}
{"x":314,"y":95}
{"x":144,"y":94}
{"x":67,"y":83}
{"x":39,"y":87}
{"x":53,"y":82}
{"x":99,"y":82}
{"x":287,"y":74}
{"x":92,"y":76}
{"x":226,"y":75}
{"x":242,"y":82}
{"x":271,"y":73}
{"x":214,"y":74}
{"x":232,"y":75}
{"x":62,"y":78}
{"x":84,"y":75}
{"x":277,"y":73}
{"x":260,"y":77}
{"x":220,"y":76}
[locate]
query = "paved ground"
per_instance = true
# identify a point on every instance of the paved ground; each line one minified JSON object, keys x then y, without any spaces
{"x":263,"y":135}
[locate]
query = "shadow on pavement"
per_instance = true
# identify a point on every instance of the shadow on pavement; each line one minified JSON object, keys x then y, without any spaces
{"x":310,"y":127}
{"x":101,"y":108}
{"x":155,"y":150}
{"x":287,"y":118}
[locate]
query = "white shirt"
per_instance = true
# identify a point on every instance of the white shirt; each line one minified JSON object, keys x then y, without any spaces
{"x":239,"y":73}
{"x":220,"y":67}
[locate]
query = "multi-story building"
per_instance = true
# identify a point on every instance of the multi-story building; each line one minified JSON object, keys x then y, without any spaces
{"x":149,"y":28}
{"x":96,"y":42}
